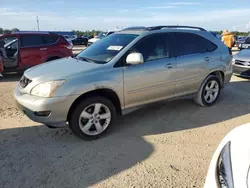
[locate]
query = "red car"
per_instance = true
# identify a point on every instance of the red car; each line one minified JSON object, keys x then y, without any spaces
{"x":22,"y":50}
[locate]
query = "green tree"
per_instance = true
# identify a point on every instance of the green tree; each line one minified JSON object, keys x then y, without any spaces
{"x":1,"y":30}
{"x":6,"y":31}
{"x":15,"y":30}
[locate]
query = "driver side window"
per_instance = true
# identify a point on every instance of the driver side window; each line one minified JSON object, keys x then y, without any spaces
{"x":154,"y":47}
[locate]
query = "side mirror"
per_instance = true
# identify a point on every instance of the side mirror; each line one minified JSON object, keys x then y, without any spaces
{"x":134,"y":59}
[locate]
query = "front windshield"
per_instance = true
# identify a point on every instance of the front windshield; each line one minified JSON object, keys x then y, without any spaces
{"x":106,"y":49}
{"x":102,"y":35}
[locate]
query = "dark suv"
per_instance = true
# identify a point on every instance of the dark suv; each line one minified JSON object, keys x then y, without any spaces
{"x":245,"y":44}
{"x":22,"y":50}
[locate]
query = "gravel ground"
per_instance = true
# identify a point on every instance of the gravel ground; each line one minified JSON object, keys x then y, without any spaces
{"x":162,"y":145}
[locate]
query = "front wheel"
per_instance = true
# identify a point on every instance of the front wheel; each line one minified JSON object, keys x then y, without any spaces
{"x":92,"y":118}
{"x":209,"y":91}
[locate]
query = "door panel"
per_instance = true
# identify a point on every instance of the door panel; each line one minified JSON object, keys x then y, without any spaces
{"x":32,"y":56}
{"x":194,"y":54}
{"x":32,"y":51}
{"x":155,"y":78}
{"x":149,"y":82}
{"x":190,"y":72}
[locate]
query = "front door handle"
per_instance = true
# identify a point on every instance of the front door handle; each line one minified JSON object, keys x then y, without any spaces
{"x":207,"y":59}
{"x":42,"y":49}
{"x":169,"y":66}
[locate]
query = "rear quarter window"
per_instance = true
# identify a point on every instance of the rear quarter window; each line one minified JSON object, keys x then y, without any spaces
{"x":247,"y":40}
{"x":189,"y":43}
{"x":50,"y":39}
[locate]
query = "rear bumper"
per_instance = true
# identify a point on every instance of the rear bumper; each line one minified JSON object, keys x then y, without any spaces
{"x":57,"y":106}
{"x":243,"y":71}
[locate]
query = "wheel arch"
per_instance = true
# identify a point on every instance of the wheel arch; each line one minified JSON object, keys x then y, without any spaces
{"x":220,"y":74}
{"x":107,"y":93}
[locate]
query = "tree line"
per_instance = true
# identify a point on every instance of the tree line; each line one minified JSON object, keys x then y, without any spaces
{"x":6,"y":31}
{"x":96,"y":32}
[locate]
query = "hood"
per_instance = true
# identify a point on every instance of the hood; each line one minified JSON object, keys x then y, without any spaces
{"x":243,"y":55}
{"x":59,"y":69}
{"x":93,"y":40}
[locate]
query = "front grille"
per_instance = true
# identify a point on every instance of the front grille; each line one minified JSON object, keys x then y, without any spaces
{"x":242,"y":63}
{"x":24,"y":82}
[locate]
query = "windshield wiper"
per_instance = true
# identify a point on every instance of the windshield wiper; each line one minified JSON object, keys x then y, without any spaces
{"x":85,"y":59}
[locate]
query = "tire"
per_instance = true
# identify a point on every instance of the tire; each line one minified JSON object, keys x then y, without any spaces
{"x":85,"y":127}
{"x":205,"y":89}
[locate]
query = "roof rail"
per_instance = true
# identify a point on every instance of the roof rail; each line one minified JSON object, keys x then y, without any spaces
{"x":136,"y":28}
{"x":39,"y":32}
{"x":175,"y":27}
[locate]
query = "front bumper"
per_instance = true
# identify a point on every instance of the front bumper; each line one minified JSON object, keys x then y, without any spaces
{"x":243,"y":71}
{"x":58,"y":107}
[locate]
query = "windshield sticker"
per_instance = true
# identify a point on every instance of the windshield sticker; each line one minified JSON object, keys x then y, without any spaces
{"x":116,"y":48}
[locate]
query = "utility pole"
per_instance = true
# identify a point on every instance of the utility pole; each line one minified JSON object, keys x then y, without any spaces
{"x":37,"y":21}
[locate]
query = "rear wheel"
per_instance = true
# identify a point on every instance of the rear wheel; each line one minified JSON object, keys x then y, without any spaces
{"x":209,"y":91}
{"x":92,"y":118}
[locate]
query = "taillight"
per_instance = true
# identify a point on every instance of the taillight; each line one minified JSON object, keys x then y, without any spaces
{"x":65,"y":44}
{"x":69,"y":46}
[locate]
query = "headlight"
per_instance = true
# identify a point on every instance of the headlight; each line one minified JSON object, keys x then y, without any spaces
{"x":233,"y":61}
{"x":46,"y":89}
{"x":225,"y":174}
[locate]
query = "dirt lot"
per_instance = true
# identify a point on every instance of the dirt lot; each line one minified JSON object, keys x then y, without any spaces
{"x":163,"y":145}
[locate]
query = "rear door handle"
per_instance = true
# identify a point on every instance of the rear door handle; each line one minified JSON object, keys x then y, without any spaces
{"x":207,"y":59}
{"x":42,"y":49}
{"x":169,"y":66}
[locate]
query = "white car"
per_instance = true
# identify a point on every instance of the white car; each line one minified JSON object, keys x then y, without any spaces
{"x":229,"y":167}
{"x":99,"y":37}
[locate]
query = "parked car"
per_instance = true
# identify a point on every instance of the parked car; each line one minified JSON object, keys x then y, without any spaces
{"x":69,"y":39}
{"x":240,"y":40}
{"x":80,"y":41}
{"x":230,"y":165}
{"x":245,"y":44}
{"x":99,"y":37}
{"x":241,"y":63}
{"x":127,"y":69}
{"x":26,"y":49}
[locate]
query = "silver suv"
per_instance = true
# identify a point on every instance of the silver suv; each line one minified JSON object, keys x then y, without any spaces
{"x":130,"y":68}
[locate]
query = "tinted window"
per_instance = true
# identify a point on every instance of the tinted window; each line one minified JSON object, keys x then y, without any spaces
{"x":31,"y":40}
{"x":187,"y":43}
{"x":155,"y":47}
{"x":50,"y":39}
{"x":248,"y":40}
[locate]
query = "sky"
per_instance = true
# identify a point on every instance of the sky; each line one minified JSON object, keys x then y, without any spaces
{"x":65,"y":15}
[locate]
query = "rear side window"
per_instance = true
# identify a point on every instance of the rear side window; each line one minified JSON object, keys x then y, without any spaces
{"x":247,"y":40}
{"x":188,"y":43}
{"x":50,"y":39}
{"x":31,"y":40}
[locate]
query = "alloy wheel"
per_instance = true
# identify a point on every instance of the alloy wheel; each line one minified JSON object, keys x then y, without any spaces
{"x":94,"y":119}
{"x":211,"y":91}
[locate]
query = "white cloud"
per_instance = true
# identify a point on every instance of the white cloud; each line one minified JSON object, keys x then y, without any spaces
{"x":159,"y":7}
{"x":214,"y":20}
{"x":124,"y":10}
{"x":184,"y":3}
{"x":248,"y":25}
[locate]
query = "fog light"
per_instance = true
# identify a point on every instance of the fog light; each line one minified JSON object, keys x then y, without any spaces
{"x":42,"y":113}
